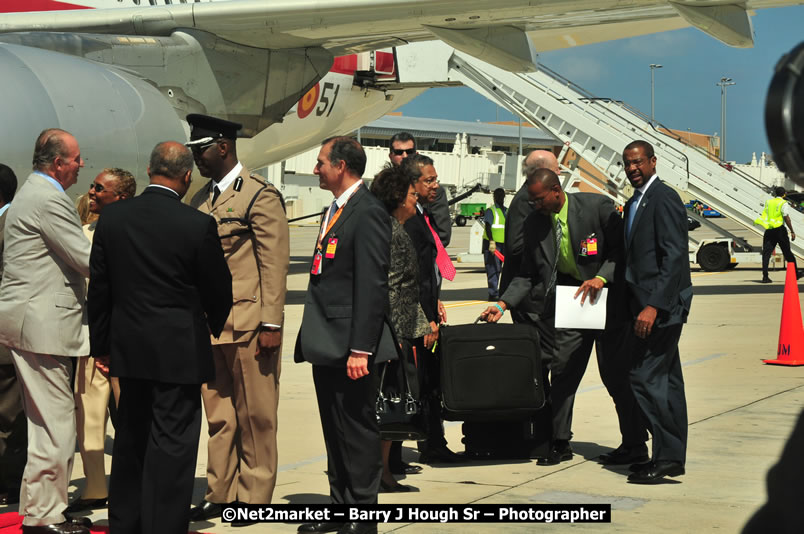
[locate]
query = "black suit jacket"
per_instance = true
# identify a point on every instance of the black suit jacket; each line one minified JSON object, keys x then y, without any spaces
{"x":588,"y":213}
{"x":158,"y":286}
{"x":438,"y":210}
{"x":657,"y":266}
{"x":518,"y":211}
{"x":426,"y":252}
{"x":346,"y":306}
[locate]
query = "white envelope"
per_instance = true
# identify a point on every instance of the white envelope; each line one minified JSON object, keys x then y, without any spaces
{"x":570,"y":313}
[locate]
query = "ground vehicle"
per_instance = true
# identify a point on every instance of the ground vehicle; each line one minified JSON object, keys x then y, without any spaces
{"x":468,"y":211}
{"x":702,"y":209}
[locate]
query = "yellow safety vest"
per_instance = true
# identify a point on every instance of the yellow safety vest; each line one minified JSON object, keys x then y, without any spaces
{"x":497,"y":227}
{"x":772,"y":214}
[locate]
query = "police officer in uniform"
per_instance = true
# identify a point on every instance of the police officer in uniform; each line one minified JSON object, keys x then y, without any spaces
{"x":241,"y":402}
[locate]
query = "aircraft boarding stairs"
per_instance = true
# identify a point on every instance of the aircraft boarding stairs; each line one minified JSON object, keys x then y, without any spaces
{"x":598,"y":129}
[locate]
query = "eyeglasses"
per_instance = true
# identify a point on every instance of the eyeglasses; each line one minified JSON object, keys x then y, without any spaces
{"x":97,"y":187}
{"x":400,"y":151}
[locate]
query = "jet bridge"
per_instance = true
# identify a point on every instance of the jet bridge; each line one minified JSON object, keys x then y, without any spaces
{"x":598,"y":129}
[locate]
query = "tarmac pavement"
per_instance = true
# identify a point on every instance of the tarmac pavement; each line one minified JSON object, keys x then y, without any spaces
{"x":741,"y":411}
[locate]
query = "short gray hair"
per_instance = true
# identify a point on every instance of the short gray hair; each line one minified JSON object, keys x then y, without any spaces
{"x":49,"y":146}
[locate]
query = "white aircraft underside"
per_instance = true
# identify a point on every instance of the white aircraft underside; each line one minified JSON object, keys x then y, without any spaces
{"x":121,"y":75}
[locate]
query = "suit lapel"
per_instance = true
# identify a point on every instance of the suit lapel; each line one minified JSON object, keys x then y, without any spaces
{"x":643,"y":204}
{"x":206,"y":206}
{"x":576,"y":226}
{"x":348,"y":209}
{"x":548,"y":240}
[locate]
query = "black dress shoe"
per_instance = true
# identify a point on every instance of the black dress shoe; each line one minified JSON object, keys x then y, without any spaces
{"x":11,"y":496}
{"x":206,"y":510}
{"x":396,"y":487}
{"x":80,"y":505}
{"x":405,"y":469}
{"x":78,"y":520}
{"x":765,"y":280}
{"x":560,"y":452}
{"x":358,"y":528}
{"x":436,"y":455}
{"x":656,"y":472}
{"x":320,"y":527}
{"x":640,"y":466}
{"x":623,"y":455}
{"x":59,"y":528}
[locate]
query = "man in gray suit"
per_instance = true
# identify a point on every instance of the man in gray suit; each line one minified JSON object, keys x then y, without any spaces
{"x":571,"y":239}
{"x":44,"y":323}
{"x":13,"y":431}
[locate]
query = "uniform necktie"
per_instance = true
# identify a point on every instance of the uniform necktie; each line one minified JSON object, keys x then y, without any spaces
{"x":215,"y":194}
{"x":632,"y":212}
{"x":445,"y":266}
{"x":559,"y":234}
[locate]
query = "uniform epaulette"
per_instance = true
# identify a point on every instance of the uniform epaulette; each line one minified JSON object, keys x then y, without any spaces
{"x":266,"y":184}
{"x":261,"y":180}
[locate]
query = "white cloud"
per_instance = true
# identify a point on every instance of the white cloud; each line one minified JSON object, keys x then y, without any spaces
{"x":579,"y":68}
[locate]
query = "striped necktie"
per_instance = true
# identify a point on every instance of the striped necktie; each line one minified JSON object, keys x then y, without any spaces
{"x":559,"y":234}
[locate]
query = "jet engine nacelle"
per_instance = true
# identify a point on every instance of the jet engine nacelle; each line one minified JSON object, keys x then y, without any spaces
{"x":116,"y":116}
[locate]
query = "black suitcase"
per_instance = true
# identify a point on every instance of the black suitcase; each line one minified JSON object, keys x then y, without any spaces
{"x":524,"y":439}
{"x":490,"y":372}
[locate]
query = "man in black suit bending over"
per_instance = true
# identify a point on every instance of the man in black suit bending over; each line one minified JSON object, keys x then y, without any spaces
{"x":571,"y":239}
{"x":657,"y":273}
{"x":344,"y":310}
{"x":159,"y":284}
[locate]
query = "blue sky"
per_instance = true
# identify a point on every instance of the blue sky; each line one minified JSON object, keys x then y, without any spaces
{"x":685,"y":92}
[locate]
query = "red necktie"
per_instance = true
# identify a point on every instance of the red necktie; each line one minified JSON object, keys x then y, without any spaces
{"x":443,"y":262}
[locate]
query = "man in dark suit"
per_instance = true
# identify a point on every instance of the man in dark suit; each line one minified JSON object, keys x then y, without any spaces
{"x":657,"y":273}
{"x":571,"y":239}
{"x":159,"y":284}
{"x":518,"y":211}
{"x":13,"y":427}
{"x":403,"y":144}
{"x":344,"y":310}
{"x":423,"y":231}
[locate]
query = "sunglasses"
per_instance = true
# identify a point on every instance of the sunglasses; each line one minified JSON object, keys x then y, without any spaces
{"x":400,"y":151}
{"x":202,"y":148}
{"x":97,"y":187}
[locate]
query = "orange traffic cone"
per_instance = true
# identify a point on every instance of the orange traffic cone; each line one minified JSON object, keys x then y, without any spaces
{"x":791,"y":331}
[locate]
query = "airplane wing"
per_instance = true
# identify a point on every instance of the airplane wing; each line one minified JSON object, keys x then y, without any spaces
{"x":503,"y":34}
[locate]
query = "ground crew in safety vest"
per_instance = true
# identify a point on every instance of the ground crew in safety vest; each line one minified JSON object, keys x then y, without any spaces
{"x":493,"y":241}
{"x":774,"y":217}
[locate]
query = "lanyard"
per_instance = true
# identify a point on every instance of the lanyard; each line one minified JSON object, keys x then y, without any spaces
{"x":334,"y":219}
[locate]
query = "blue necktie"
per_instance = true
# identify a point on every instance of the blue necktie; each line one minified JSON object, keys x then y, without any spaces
{"x":632,"y":213}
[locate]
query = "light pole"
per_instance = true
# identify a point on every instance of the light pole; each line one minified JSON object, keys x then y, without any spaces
{"x":723,"y":83}
{"x":653,"y":67}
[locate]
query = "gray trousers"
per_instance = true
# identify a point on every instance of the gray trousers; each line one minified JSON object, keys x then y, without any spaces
{"x":47,"y":399}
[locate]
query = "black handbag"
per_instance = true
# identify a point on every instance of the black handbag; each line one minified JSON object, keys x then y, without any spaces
{"x":400,"y":415}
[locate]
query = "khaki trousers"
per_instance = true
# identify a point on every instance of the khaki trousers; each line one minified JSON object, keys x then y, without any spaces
{"x":91,"y":413}
{"x":50,"y":410}
{"x":241,"y":405}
